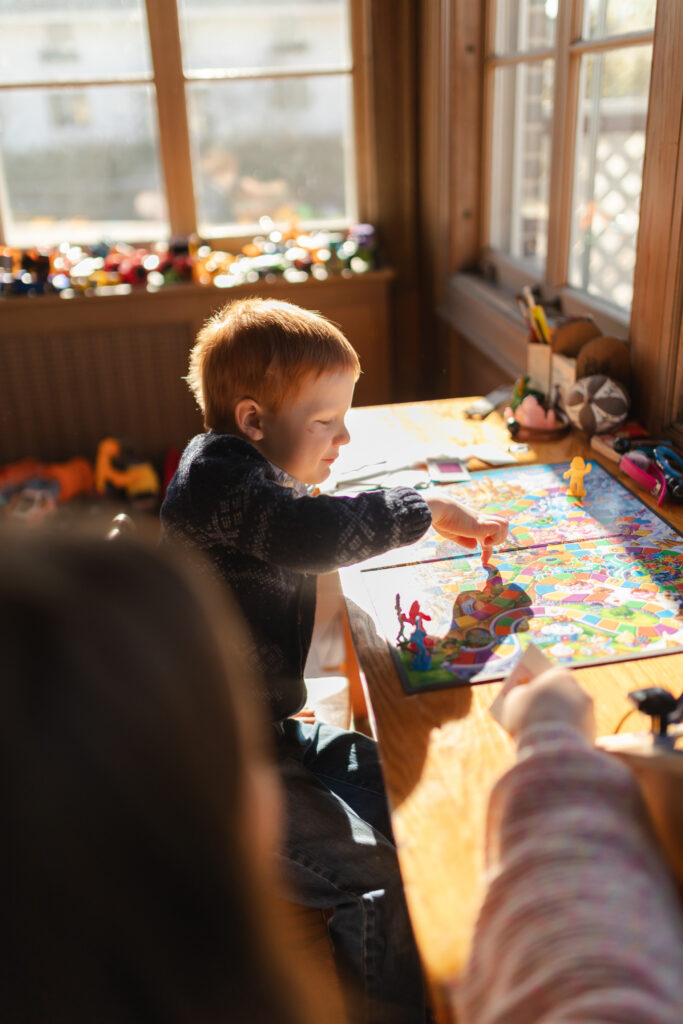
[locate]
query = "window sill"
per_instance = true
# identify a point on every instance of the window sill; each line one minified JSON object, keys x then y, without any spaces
{"x":487,"y":316}
{"x":174,"y":302}
{"x":511,"y":275}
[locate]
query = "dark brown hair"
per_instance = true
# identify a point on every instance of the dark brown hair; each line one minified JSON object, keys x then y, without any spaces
{"x":262,"y":349}
{"x":127,"y":884}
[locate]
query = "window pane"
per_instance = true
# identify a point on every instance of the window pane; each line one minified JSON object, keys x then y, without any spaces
{"x":613,"y":17}
{"x":227,"y":34}
{"x":608,"y":172}
{"x":79,"y":165}
{"x":71,"y":40}
{"x":520,"y":166}
{"x":523,"y":25}
{"x":279,"y":147}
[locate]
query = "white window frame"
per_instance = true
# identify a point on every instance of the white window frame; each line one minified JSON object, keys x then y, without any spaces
{"x":566,"y":53}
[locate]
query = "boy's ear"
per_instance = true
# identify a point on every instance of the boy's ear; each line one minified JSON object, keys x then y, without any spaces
{"x":249,"y":419}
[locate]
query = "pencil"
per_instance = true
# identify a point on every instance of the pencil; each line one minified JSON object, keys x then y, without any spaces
{"x":540,"y":317}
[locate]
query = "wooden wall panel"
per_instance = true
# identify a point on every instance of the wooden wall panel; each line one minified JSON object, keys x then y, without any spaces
{"x":61,"y":392}
{"x":450,"y":64}
{"x":479,"y":373}
{"x":392,"y":32}
{"x":73,"y":372}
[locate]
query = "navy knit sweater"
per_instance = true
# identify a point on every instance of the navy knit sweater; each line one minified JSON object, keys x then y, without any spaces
{"x":267,"y":537}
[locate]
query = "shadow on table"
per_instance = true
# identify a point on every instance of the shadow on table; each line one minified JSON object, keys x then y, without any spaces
{"x":404,"y":724}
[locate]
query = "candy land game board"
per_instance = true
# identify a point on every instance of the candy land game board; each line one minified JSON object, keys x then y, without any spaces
{"x":589,"y":581}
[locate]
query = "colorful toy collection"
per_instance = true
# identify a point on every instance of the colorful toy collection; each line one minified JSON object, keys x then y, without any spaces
{"x":277,"y":253}
{"x":32,"y":491}
{"x":74,"y":270}
{"x":589,"y":578}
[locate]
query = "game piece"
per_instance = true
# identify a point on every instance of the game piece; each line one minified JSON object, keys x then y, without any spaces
{"x":576,"y":472}
{"x":587,"y":582}
{"x":418,"y":642}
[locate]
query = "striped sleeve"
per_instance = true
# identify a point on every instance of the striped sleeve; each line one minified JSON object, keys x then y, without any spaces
{"x":581,"y":919}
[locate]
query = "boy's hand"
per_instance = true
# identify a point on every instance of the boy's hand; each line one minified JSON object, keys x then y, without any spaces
{"x":306,"y":715}
{"x":466,"y":526}
{"x":554,"y":696}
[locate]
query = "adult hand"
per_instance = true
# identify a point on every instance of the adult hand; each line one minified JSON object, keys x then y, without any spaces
{"x":553,"y":697}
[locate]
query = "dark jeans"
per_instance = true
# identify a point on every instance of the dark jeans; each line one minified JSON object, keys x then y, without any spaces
{"x":339,"y":854}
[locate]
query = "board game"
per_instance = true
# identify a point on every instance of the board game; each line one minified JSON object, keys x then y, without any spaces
{"x":589,"y":581}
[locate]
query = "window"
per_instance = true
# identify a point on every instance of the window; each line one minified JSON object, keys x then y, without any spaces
{"x":567,"y":84}
{"x":571,"y":179}
{"x":135,"y":120}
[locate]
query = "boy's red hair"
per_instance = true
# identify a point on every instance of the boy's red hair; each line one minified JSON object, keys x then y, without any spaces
{"x":261,"y":349}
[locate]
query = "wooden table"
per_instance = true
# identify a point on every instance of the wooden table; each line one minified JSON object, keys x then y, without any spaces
{"x":441,"y":751}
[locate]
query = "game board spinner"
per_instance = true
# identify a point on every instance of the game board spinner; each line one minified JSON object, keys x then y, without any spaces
{"x":589,"y":581}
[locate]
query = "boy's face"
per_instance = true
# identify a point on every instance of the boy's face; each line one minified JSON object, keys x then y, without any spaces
{"x":305,"y":434}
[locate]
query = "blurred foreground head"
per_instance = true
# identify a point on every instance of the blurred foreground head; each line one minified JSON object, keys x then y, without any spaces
{"x":134,"y":864}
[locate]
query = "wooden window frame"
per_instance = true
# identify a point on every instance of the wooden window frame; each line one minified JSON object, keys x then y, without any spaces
{"x":656,"y":329}
{"x":475,"y":296}
{"x":169,"y":81}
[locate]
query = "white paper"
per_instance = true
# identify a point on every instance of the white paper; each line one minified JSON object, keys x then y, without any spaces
{"x":531,"y":664}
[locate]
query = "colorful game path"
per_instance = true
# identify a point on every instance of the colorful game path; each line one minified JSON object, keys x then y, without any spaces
{"x":589,"y":582}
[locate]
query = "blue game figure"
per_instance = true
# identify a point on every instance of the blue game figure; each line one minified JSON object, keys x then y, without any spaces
{"x":418,"y":643}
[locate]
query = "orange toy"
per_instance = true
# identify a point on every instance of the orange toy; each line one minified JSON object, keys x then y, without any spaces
{"x":16,"y":473}
{"x":136,"y":481}
{"x":74,"y":476}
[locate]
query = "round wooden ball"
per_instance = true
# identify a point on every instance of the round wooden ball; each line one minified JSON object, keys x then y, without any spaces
{"x":605,"y":355}
{"x":571,"y":337}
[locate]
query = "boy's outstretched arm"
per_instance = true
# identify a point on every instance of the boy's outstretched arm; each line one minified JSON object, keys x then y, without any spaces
{"x":319,"y":534}
{"x":466,"y":526}
{"x":323,"y":533}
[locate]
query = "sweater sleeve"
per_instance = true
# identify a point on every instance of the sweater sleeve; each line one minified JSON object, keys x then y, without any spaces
{"x":581,"y":919}
{"x":319,"y":534}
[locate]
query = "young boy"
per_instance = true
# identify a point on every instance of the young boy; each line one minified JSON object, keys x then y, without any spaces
{"x":274,"y":383}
